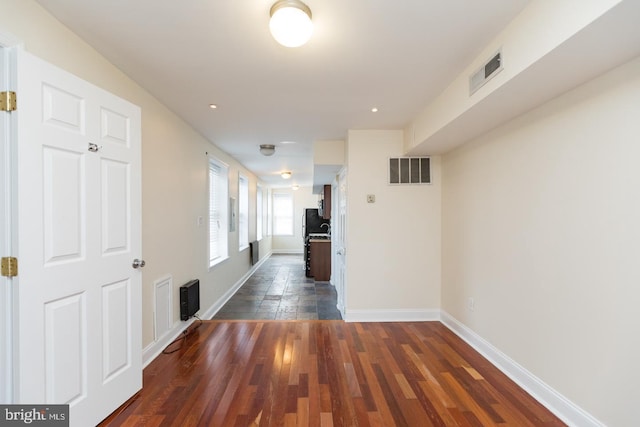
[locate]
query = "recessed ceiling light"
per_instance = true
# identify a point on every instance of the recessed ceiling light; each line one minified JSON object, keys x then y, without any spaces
{"x":213,"y":106}
{"x":287,"y":142}
{"x":374,"y":110}
{"x":295,"y":187}
{"x":286,"y":175}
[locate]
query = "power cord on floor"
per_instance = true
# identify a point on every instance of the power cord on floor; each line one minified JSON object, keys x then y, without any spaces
{"x":183,"y":337}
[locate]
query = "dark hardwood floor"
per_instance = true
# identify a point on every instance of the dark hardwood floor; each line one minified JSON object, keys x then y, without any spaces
{"x":326,"y":373}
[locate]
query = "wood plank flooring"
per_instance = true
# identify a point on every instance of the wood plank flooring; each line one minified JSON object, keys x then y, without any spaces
{"x":327,"y":373}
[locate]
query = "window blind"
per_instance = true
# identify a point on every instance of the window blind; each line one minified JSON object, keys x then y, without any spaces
{"x":243,"y":214}
{"x":259,"y":209}
{"x":217,"y":212}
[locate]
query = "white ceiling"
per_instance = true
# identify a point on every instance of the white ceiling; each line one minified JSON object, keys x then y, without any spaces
{"x":395,"y":55}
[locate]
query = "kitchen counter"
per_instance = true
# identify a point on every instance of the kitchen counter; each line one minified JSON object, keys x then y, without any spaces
{"x":319,"y":236}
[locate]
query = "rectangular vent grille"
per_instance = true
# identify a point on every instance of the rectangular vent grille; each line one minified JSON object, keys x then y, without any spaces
{"x":409,"y":170}
{"x":485,"y":73}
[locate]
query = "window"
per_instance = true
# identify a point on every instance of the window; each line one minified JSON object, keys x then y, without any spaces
{"x":259,"y":210}
{"x":218,"y":211}
{"x":282,"y":214}
{"x":269,"y":213}
{"x":243,"y":214}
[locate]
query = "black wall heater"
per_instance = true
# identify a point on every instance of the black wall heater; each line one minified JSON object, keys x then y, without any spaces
{"x":189,"y":299}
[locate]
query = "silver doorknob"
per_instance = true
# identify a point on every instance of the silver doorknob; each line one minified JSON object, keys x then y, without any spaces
{"x":138,"y":263}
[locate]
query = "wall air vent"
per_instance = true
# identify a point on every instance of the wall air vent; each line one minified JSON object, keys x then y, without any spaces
{"x":485,"y":73}
{"x":409,"y":170}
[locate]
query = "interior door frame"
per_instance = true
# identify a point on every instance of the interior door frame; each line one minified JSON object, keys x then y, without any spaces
{"x":340,"y":224}
{"x":8,"y":215}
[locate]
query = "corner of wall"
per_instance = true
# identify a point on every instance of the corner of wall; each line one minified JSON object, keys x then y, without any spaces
{"x":562,"y":407}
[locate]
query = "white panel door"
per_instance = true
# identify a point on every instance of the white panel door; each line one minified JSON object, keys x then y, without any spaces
{"x":79,"y":297}
{"x":339,"y":241}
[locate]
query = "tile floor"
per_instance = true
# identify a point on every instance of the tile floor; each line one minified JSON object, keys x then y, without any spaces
{"x":279,"y":290}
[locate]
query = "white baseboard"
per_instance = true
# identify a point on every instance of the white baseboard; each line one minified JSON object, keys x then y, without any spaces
{"x":287,"y":252}
{"x":340,"y":308}
{"x":555,"y":402}
{"x":418,"y":315}
{"x":154,"y":349}
{"x":216,"y":306}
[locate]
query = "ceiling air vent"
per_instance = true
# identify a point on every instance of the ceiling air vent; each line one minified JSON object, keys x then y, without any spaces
{"x":485,"y":73}
{"x":409,"y":170}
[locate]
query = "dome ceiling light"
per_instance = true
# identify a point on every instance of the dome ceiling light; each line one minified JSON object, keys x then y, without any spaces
{"x":290,"y":22}
{"x":285,"y":175}
{"x":267,"y":149}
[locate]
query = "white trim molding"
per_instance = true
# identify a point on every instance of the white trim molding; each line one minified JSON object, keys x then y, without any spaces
{"x":555,"y":402}
{"x":391,"y":315}
{"x":153,"y":350}
{"x":287,"y":252}
{"x":216,"y":306}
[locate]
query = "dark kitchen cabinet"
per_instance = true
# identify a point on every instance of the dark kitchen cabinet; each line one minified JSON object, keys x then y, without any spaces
{"x":320,"y":254}
{"x":326,"y":207}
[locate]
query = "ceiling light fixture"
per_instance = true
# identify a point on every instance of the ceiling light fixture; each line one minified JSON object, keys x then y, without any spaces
{"x":285,"y":175}
{"x":213,"y":106}
{"x":295,"y":187}
{"x":267,"y":149}
{"x":290,"y":22}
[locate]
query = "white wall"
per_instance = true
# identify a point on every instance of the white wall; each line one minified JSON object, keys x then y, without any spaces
{"x":393,"y":245}
{"x":174,"y":167}
{"x":539,"y":29}
{"x":303,"y":198}
{"x":541,"y":227}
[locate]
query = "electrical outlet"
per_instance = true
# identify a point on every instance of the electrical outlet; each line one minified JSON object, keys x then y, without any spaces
{"x":371,"y":198}
{"x":200,"y":221}
{"x":471,"y":304}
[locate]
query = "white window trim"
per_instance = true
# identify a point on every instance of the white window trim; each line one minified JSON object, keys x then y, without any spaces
{"x":292,"y":215}
{"x":223,"y":221}
{"x":242,"y":198}
{"x":259,"y":213}
{"x":269,"y":212}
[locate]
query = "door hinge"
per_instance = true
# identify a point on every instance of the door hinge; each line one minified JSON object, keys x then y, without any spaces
{"x":9,"y":266}
{"x":8,"y":101}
